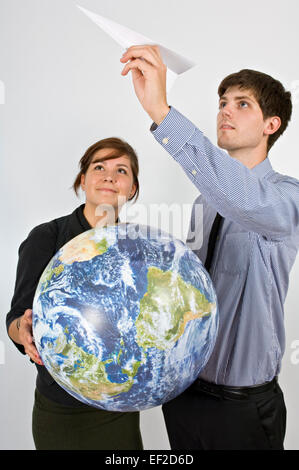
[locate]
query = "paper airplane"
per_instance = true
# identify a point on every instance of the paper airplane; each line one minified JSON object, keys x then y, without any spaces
{"x":125,"y":37}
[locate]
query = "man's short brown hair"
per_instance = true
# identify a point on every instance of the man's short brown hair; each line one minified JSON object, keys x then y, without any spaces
{"x":270,"y":94}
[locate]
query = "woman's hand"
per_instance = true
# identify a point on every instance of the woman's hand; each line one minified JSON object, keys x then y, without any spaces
{"x":24,"y":327}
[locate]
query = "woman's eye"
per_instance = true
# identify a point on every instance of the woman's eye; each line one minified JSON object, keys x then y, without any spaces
{"x":122,"y":170}
{"x":98,"y":167}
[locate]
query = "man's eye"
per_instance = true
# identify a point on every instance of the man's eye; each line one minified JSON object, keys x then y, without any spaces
{"x":222,"y":104}
{"x":243,"y":104}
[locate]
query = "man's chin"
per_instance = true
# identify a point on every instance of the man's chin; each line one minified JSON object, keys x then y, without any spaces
{"x":223,"y":145}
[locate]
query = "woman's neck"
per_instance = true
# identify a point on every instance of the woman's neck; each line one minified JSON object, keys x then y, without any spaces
{"x":98,"y":216}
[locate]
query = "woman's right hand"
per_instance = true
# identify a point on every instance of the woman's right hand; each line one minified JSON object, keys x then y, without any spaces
{"x":26,"y":336}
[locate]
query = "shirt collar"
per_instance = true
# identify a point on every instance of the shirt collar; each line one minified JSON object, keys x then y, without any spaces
{"x":262,"y":168}
{"x":82,"y":219}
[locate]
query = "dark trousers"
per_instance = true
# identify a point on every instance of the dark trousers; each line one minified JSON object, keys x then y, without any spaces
{"x":58,"y":427}
{"x":199,"y":420}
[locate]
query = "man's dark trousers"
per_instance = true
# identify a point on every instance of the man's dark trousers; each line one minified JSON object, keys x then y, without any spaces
{"x":216,"y":421}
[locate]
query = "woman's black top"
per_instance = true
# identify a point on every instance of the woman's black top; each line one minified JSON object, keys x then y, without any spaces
{"x":34,"y":254}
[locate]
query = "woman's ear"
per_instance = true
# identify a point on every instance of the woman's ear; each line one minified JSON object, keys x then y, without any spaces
{"x":133,"y":191}
{"x":83,"y":182}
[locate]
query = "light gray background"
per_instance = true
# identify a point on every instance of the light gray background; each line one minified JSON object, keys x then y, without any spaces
{"x":64,"y":91}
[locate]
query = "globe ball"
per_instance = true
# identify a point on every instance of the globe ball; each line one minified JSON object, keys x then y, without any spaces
{"x":125,"y":317}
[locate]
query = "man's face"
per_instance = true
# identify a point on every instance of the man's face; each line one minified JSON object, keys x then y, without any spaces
{"x":240,"y":121}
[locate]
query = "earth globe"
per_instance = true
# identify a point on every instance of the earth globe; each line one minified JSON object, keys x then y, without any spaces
{"x":125,"y":317}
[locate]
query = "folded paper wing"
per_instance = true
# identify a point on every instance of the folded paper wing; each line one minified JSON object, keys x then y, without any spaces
{"x":125,"y":37}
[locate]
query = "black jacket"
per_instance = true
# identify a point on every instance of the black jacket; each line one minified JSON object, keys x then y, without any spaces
{"x":34,"y":254}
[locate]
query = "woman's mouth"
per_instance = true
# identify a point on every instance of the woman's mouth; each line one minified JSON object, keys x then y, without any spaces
{"x":108,"y":190}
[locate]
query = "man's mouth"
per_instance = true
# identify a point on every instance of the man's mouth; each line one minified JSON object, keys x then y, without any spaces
{"x":226,"y":126}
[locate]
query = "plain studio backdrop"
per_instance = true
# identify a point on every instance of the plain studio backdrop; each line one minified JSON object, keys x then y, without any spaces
{"x":61,"y":90}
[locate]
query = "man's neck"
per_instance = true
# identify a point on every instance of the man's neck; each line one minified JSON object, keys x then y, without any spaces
{"x":249,"y":157}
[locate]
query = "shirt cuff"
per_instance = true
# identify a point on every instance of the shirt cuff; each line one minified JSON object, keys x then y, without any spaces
{"x":167,"y":132}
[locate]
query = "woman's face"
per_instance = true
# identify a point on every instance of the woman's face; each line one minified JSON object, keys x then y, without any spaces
{"x":108,"y":182}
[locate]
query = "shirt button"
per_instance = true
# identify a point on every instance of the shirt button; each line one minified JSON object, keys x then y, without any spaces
{"x":194,"y":172}
{"x":165,"y":140}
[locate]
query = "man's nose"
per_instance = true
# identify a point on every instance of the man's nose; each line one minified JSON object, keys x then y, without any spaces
{"x":226,"y":110}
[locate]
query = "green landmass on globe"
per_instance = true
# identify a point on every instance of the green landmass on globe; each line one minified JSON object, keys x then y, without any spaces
{"x":89,"y":377}
{"x":166,"y":307}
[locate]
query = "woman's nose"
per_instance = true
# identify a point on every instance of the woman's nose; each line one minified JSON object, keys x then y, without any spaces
{"x":108,"y":178}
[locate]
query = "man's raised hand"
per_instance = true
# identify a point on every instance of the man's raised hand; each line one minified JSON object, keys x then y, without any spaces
{"x":149,"y":79}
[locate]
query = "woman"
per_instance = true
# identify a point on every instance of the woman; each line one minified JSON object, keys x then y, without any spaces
{"x":109,"y":177}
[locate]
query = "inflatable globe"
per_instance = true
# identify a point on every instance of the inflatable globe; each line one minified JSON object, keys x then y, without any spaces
{"x":124,"y":317}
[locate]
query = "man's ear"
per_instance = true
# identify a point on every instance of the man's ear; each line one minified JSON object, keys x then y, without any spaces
{"x":272,"y":125}
{"x":83,"y":182}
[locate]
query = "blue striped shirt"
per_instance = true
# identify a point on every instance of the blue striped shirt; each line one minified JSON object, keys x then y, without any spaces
{"x":254,"y":254}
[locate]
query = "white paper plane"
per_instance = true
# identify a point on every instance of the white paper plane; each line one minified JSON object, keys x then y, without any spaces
{"x":125,"y":37}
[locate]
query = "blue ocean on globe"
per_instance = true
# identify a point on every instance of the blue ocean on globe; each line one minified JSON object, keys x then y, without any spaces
{"x":125,"y":317}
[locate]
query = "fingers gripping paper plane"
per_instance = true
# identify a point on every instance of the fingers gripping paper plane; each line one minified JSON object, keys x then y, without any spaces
{"x":125,"y":37}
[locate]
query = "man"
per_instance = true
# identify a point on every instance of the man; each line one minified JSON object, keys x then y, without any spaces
{"x":250,"y":241}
